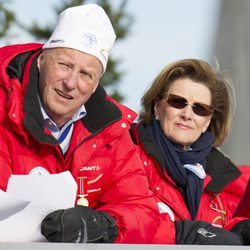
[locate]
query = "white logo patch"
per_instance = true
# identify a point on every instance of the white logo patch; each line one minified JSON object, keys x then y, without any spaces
{"x":165,"y":209}
{"x":39,"y":171}
{"x":90,"y":40}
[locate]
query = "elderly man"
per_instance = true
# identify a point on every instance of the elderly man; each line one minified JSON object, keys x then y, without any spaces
{"x":56,"y":117}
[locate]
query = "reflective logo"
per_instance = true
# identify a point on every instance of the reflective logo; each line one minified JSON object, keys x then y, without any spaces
{"x":205,"y":233}
{"x":39,"y":171}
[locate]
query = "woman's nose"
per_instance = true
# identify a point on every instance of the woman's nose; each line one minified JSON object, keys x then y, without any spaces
{"x":187,"y":112}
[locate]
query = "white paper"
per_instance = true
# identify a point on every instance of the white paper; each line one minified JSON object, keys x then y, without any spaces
{"x":29,"y":198}
{"x":10,"y":205}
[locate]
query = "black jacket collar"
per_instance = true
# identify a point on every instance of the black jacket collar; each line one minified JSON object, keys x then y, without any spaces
{"x":221,"y":170}
{"x":219,"y":167}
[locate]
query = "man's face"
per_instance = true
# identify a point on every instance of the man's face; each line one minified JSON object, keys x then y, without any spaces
{"x":67,"y":80}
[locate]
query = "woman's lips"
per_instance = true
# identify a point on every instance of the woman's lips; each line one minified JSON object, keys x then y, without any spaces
{"x":182,"y":126}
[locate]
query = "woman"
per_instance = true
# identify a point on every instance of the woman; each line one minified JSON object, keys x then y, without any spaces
{"x":185,"y":116}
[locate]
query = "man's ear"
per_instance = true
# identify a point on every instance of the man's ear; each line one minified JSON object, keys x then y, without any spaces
{"x":39,"y":61}
{"x":95,"y":88}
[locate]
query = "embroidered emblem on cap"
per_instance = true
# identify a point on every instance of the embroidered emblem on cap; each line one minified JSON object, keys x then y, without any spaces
{"x":89,"y":39}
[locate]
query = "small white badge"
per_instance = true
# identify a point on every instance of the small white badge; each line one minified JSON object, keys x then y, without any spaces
{"x":165,"y":209}
{"x":39,"y":171}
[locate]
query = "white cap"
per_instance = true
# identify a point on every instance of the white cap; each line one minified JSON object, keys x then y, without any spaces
{"x":86,"y":28}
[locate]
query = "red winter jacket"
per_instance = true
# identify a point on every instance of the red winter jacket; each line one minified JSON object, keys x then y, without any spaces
{"x":244,"y":205}
{"x":101,"y":149}
{"x":224,"y":186}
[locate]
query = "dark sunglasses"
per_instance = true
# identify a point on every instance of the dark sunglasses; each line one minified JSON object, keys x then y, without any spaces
{"x":179,"y":102}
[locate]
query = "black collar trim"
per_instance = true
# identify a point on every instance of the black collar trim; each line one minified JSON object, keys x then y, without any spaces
{"x":221,"y":170}
{"x":33,"y":119}
{"x":15,"y":68}
{"x":100,"y":111}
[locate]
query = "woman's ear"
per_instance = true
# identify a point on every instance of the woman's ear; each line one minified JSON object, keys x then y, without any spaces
{"x":156,"y":113}
{"x":204,"y":129}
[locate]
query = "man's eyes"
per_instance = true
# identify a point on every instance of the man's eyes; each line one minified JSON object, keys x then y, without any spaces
{"x":84,"y":74}
{"x":64,"y":65}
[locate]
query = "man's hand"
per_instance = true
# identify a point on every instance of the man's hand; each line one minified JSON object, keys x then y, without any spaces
{"x":79,"y":224}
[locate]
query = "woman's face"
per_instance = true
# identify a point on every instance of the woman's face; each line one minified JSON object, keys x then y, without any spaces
{"x":183,"y":126}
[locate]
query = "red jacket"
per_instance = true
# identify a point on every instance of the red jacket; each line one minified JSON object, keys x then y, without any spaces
{"x":101,"y":149}
{"x":244,"y":205}
{"x":224,"y":186}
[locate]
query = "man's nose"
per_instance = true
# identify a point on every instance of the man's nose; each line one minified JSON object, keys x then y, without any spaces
{"x":71,"y":80}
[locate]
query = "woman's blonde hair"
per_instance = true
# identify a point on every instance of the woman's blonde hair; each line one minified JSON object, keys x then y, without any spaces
{"x":198,"y":71}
